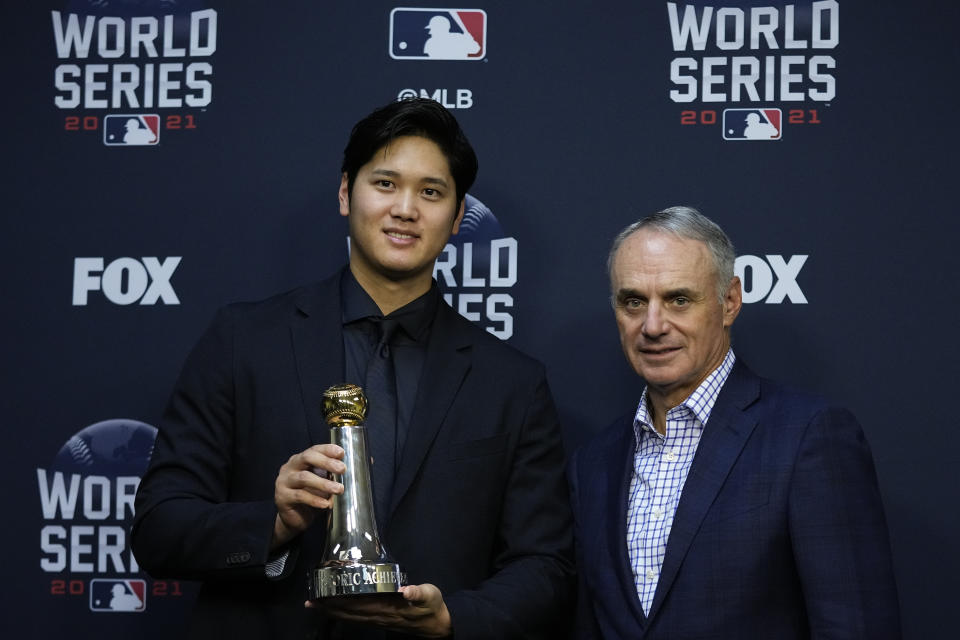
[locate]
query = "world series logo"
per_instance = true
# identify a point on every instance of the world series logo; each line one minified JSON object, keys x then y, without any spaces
{"x":86,"y":500}
{"x":775,"y":65}
{"x":146,"y":63}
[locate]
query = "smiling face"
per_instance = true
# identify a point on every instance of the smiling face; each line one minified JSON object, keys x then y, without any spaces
{"x":401,"y":211}
{"x":673,"y":329}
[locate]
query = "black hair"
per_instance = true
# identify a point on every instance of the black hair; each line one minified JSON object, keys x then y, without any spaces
{"x":412,"y":117}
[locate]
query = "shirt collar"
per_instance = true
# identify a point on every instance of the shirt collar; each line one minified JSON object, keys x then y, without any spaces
{"x":414,"y":318}
{"x":699,"y":403}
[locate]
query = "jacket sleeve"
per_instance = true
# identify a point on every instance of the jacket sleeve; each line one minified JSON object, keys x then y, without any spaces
{"x":186,"y":524}
{"x":531,"y":591}
{"x":839,"y":533}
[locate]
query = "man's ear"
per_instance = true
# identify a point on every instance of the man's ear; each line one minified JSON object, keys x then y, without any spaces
{"x":344,"y":195}
{"x":459,"y":218}
{"x":732,"y":302}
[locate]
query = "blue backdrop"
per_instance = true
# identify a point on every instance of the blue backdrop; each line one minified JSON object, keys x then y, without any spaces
{"x":162,"y":159}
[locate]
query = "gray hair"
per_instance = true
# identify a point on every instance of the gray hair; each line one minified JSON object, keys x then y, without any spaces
{"x":687,"y":222}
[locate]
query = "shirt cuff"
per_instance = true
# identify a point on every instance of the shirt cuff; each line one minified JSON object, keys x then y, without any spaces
{"x":274,"y":566}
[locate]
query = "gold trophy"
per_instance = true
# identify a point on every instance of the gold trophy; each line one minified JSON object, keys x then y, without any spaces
{"x":354,"y":562}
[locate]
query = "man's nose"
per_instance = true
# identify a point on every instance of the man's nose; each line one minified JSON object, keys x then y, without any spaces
{"x":654,"y":322}
{"x":405,"y":205}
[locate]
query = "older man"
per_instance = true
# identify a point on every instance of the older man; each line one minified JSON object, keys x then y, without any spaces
{"x":726,"y":506}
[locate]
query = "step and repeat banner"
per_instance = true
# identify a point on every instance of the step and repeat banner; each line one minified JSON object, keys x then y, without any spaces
{"x":164,"y":158}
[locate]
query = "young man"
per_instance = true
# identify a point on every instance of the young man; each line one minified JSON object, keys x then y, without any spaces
{"x":473,"y":507}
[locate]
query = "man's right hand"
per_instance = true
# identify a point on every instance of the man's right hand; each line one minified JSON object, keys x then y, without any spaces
{"x":302,"y":487}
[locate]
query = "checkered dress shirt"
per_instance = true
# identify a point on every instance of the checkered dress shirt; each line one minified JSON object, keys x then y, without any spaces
{"x":660,"y":467}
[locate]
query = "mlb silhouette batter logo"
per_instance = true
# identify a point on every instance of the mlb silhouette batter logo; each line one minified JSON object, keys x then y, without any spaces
{"x":118,"y":595}
{"x":751,"y":124}
{"x":131,"y":130}
{"x":438,"y":34}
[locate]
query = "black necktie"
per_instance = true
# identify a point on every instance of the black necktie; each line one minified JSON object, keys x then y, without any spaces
{"x":381,"y":423}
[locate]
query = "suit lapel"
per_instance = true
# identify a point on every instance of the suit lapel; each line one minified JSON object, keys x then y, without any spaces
{"x":723,"y":439}
{"x":317,"y":335}
{"x":617,"y":478}
{"x":444,"y":368}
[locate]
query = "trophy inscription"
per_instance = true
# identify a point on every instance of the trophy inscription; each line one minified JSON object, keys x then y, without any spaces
{"x":354,"y":561}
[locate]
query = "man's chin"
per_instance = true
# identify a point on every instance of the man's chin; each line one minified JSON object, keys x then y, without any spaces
{"x":661,"y":367}
{"x":404,"y":272}
{"x":661,"y":378}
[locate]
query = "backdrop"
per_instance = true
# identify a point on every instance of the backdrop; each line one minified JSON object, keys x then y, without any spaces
{"x":164,"y":158}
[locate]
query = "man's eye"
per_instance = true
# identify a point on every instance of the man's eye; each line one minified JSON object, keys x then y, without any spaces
{"x":386,"y":184}
{"x":681,"y":301}
{"x":632,"y":303}
{"x":431,"y":193}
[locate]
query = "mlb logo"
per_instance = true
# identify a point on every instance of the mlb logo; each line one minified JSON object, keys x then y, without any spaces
{"x":131,"y":130}
{"x":118,"y":595}
{"x":751,"y":124}
{"x":438,"y":34}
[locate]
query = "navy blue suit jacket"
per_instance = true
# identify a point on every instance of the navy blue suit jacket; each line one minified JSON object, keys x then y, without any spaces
{"x":779,"y":532}
{"x":479,"y":505}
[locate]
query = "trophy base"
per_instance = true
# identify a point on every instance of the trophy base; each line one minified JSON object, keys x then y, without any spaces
{"x":355,"y":579}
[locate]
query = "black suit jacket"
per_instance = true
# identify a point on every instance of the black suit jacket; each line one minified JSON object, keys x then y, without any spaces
{"x":779,"y":532}
{"x":479,"y":506}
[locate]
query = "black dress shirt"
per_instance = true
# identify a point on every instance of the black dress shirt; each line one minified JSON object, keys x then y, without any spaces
{"x":408,"y":346}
